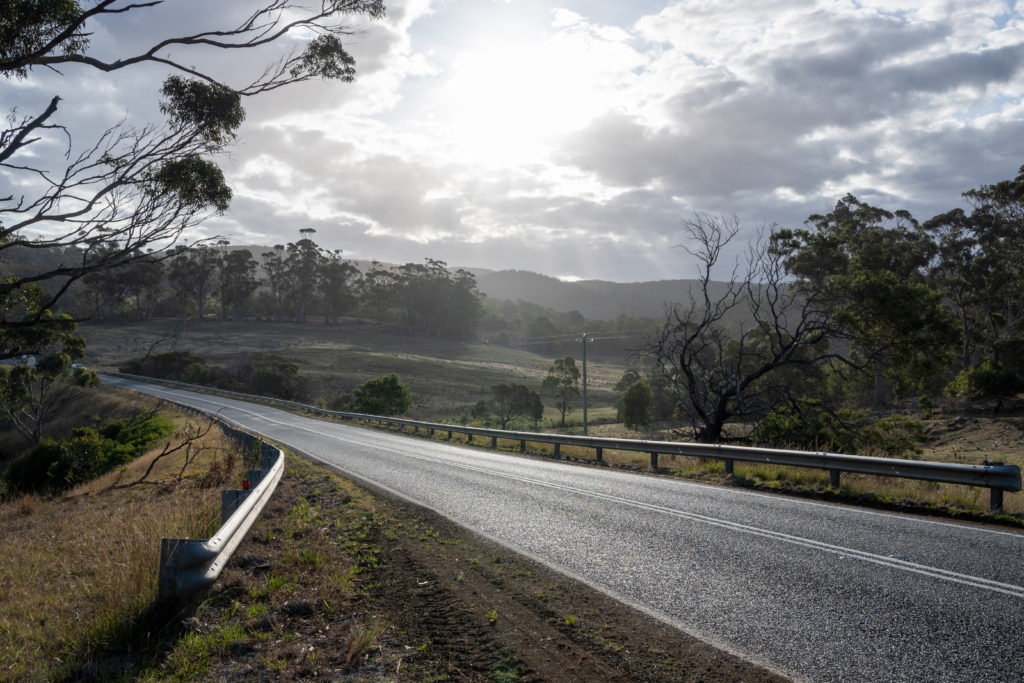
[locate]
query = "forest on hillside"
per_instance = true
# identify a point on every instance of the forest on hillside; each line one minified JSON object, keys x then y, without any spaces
{"x":859,"y":309}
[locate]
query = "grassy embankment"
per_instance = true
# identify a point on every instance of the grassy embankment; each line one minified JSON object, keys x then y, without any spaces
{"x":78,"y":571}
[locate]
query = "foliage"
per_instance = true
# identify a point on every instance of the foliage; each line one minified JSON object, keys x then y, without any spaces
{"x":260,"y":374}
{"x":989,"y":380}
{"x":32,"y":392}
{"x":437,"y":302}
{"x":628,"y":379}
{"x":511,"y":401}
{"x":869,"y":266}
{"x":133,"y":189}
{"x":809,"y":425}
{"x":268,"y":375}
{"x":166,"y":365}
{"x":55,"y":466}
{"x":635,"y":406}
{"x":384,"y":395}
{"x":562,"y":383}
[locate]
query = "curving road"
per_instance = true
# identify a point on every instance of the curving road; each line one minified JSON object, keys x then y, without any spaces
{"x":816,"y":591}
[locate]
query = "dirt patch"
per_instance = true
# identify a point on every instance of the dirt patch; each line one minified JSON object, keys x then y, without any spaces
{"x":336,"y":583}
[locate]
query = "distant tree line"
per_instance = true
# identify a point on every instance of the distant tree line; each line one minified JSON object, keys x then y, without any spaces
{"x":295,"y":282}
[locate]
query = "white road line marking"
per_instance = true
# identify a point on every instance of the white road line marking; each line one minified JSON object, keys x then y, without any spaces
{"x":888,"y":561}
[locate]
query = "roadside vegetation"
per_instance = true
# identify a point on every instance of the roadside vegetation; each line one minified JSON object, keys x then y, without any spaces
{"x":483,"y":385}
{"x":331,"y":582}
{"x":78,"y":563}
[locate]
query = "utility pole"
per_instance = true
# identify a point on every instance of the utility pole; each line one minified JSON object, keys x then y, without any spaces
{"x":585,"y":339}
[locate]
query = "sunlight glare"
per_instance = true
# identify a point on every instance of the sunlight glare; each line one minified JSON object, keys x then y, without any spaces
{"x":508,"y":103}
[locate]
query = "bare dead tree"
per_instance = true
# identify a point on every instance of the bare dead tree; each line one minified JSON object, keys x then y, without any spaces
{"x":741,"y":346}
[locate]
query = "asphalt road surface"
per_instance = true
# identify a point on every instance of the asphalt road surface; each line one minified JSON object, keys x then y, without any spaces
{"x":816,"y":591}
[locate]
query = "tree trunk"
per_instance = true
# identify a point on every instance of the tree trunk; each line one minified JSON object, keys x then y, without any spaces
{"x":879,"y":400}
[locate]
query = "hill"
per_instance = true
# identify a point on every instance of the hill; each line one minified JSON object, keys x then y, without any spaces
{"x":595,"y":299}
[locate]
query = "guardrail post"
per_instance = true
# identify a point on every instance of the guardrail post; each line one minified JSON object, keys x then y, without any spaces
{"x":833,"y":478}
{"x":598,"y":454}
{"x":165,"y":582}
{"x":522,"y":445}
{"x":449,"y":435}
{"x":995,"y":501}
{"x":469,"y":437}
{"x":431,"y":431}
{"x":728,"y":466}
{"x":229,"y":502}
{"x":494,"y":442}
{"x":558,"y":450}
{"x":654,"y":460}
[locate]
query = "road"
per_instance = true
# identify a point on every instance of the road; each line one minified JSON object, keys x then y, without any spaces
{"x":816,"y":591}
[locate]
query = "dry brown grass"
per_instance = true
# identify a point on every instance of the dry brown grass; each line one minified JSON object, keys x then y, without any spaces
{"x":75,"y":571}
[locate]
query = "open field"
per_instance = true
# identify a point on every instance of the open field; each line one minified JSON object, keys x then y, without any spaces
{"x":446,"y":377}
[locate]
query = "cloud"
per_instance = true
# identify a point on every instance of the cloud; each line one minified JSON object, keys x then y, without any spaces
{"x":573,"y":138}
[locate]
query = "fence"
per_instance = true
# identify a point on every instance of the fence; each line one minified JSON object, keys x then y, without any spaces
{"x":994,"y":476}
{"x":188,"y":565}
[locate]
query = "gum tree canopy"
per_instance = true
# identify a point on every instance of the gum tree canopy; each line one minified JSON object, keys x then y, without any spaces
{"x":136,"y":188}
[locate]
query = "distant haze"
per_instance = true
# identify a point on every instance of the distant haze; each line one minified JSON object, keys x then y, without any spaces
{"x":594,"y":299}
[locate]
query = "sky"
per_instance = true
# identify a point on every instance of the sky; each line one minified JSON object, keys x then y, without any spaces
{"x":573,"y":138}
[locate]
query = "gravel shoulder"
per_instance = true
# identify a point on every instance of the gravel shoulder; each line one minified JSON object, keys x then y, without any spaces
{"x":335,"y":582}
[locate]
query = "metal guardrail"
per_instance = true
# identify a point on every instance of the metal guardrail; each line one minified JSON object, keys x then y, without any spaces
{"x":187,"y":565}
{"x":994,"y":476}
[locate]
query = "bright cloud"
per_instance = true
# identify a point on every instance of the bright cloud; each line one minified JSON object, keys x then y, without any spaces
{"x":572,"y":137}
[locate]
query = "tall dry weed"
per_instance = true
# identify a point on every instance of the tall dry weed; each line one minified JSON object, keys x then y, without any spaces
{"x":76,"y":571}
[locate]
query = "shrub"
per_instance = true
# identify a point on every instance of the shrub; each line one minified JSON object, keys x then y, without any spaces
{"x":635,"y":405}
{"x":891,"y":437}
{"x":167,"y":365}
{"x":29,"y":471}
{"x":55,"y":466}
{"x":383,"y":396}
{"x":270,"y":375}
{"x":810,"y":426}
{"x":989,"y":380}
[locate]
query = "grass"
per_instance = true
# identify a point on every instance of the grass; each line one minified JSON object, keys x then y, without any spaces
{"x":448,"y":377}
{"x":78,"y":573}
{"x":324,"y":547}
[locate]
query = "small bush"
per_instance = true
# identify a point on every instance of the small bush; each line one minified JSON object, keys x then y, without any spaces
{"x":383,"y":396}
{"x":55,"y":466}
{"x":811,"y":427}
{"x":168,"y":365}
{"x":891,"y":437}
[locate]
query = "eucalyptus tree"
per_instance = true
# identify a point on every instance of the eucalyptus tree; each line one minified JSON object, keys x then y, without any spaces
{"x":277,"y":280}
{"x":870,"y":265}
{"x":510,"y":401}
{"x":379,"y":290}
{"x":339,"y":286}
{"x":193,"y":274}
{"x":303,"y":262}
{"x":238,"y":282}
{"x":563,"y":384}
{"x":138,"y":187}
